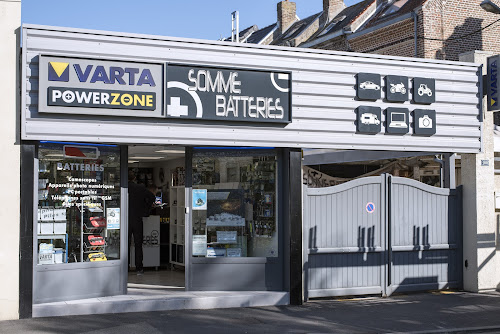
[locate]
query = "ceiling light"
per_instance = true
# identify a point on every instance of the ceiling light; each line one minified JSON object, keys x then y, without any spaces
{"x":147,"y":158}
{"x":171,"y":151}
{"x":133,"y":161}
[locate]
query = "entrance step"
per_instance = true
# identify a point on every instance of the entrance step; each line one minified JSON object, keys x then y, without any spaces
{"x":147,"y":300}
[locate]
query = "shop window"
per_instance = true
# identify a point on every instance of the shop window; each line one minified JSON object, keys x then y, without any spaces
{"x":234,"y":205}
{"x":78,"y":203}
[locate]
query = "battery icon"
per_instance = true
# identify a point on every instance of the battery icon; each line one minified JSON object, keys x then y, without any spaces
{"x":81,"y":152}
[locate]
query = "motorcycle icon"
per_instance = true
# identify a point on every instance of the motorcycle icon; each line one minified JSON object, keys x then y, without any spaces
{"x":398,"y":88}
{"x":423,"y":89}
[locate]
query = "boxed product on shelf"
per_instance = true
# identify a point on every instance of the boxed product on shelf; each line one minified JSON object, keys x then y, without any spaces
{"x":60,"y":228}
{"x":58,"y":255}
{"x":46,"y":254}
{"x":46,"y":228}
{"x":225,"y":219}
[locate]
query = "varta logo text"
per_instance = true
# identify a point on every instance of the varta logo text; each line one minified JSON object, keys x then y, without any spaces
{"x":109,"y":75}
{"x":493,"y":84}
{"x":115,"y":74}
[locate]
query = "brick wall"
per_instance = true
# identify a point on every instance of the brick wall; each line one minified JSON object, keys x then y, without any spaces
{"x":397,"y":40}
{"x":336,"y":44}
{"x":450,"y":20}
{"x":446,"y":28}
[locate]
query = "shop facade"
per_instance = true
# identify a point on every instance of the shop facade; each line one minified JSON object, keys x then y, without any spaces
{"x":240,"y":114}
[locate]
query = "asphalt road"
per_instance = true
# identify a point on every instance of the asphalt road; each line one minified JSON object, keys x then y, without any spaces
{"x":414,"y":313}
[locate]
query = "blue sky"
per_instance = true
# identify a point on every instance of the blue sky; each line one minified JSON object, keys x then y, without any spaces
{"x":189,"y":18}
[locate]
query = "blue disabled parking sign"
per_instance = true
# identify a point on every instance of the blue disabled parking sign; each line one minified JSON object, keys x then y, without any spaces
{"x":370,"y":207}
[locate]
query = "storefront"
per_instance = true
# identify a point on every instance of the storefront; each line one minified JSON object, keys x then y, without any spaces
{"x":217,"y":129}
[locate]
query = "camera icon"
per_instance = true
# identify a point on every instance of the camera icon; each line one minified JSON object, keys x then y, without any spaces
{"x":425,"y":122}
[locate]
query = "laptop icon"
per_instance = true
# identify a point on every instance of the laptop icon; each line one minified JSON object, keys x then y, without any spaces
{"x":398,"y":120}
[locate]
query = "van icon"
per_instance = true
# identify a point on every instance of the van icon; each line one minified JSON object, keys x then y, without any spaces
{"x":370,"y":119}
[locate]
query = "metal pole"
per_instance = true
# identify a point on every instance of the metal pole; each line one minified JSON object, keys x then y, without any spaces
{"x":235,"y":26}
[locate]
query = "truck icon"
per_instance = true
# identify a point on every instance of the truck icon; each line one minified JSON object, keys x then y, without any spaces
{"x":423,"y":89}
{"x":370,"y":119}
{"x":398,"y":88}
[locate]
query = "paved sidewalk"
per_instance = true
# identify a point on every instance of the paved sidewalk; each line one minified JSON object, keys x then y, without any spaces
{"x":424,"y":312}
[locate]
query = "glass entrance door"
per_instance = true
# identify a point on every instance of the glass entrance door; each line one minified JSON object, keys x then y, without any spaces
{"x":235,"y":222}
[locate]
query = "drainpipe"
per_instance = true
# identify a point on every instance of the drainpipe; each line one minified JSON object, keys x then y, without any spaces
{"x":441,"y":162}
{"x":415,"y":26}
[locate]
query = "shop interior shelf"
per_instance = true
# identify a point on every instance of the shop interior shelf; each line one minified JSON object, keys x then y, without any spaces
{"x":51,"y":237}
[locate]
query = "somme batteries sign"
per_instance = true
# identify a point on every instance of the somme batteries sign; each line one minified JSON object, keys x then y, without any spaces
{"x":100,"y":87}
{"x":227,"y":94}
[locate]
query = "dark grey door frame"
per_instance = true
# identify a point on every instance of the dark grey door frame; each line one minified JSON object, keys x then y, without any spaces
{"x":28,"y":155}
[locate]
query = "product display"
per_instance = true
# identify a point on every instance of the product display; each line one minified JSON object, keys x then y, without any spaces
{"x":98,"y":221}
{"x":77,"y":193}
{"x":100,"y":256}
{"x":240,"y":215}
{"x":95,"y":240}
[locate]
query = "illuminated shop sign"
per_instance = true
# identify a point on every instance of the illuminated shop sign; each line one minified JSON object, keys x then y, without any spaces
{"x":100,"y":87}
{"x":207,"y":93}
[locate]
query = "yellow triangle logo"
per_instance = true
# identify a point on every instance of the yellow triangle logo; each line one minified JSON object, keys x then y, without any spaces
{"x":493,"y":101}
{"x":59,"y":68}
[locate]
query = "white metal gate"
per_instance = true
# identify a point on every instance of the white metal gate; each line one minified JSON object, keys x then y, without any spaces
{"x":379,"y":235}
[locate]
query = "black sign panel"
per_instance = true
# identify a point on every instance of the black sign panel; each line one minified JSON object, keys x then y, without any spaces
{"x":369,"y":119}
{"x":493,"y":83}
{"x":207,"y":93}
{"x":368,"y":86}
{"x":396,"y":88}
{"x":397,"y":120}
{"x":424,"y":90}
{"x":424,"y":122}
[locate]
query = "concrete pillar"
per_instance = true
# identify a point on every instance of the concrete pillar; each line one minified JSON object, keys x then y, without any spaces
{"x":481,"y":258}
{"x":10,"y":22}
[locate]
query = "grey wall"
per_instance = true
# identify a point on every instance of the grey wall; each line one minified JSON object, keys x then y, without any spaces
{"x":323,"y":98}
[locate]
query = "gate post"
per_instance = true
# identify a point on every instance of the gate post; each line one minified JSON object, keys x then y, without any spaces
{"x":387,"y":189}
{"x":305,"y":244}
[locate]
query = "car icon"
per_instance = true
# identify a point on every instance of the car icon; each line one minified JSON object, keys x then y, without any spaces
{"x":398,"y":88}
{"x":370,"y":119}
{"x":369,"y":85}
{"x":423,"y":89}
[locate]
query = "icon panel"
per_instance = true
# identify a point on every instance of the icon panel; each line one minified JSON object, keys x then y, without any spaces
{"x":424,"y":122}
{"x":424,"y":90}
{"x":397,"y":120}
{"x":368,"y":86}
{"x":396,"y":88}
{"x":369,"y":120}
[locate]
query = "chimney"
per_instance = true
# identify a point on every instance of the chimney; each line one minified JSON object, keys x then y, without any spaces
{"x":286,"y":14}
{"x":332,"y":7}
